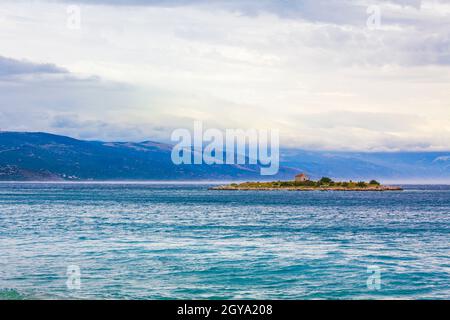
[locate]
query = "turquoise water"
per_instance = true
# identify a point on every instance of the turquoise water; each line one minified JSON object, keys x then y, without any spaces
{"x":160,"y":241}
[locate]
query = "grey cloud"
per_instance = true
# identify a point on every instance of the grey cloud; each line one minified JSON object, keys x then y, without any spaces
{"x":341,"y":11}
{"x":11,"y":67}
{"x":73,"y":125}
{"x":45,"y":97}
{"x":239,"y":3}
{"x":318,"y":10}
{"x":30,"y":85}
{"x":31,"y":93}
{"x":422,"y":40}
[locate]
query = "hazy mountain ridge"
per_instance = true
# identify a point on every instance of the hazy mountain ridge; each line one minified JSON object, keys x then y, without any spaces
{"x":43,"y":156}
{"x":402,"y":166}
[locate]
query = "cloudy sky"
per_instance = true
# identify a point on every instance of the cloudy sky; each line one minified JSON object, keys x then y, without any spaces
{"x":322,"y":72}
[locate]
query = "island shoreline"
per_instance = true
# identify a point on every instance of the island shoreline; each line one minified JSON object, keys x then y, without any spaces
{"x":379,"y":189}
{"x":303,"y":183}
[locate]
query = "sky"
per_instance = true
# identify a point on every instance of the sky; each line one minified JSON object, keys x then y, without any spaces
{"x":325,"y":74}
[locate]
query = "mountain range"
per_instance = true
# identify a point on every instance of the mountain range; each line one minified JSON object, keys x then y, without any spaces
{"x":43,"y":156}
{"x":40,"y":156}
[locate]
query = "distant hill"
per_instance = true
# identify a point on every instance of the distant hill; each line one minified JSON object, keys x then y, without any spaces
{"x":43,"y":156}
{"x":388,"y":166}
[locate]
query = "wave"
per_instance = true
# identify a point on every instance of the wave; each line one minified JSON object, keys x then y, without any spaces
{"x":11,"y":294}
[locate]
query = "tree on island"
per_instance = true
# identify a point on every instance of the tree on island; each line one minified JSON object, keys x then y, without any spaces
{"x":326,"y":180}
{"x":374,"y":182}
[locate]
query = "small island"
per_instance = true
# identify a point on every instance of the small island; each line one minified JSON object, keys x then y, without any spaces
{"x":303,"y":183}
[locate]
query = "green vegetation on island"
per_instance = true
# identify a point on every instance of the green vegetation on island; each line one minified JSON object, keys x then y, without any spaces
{"x":302,"y":183}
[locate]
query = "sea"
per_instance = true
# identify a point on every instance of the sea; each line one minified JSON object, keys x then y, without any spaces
{"x":183,"y":241}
